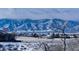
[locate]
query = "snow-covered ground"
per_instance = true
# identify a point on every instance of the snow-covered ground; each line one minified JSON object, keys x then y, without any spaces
{"x":40,"y":44}
{"x":32,"y":39}
{"x":56,"y":43}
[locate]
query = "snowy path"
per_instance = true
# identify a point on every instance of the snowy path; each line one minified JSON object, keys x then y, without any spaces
{"x":32,"y":39}
{"x":41,"y":39}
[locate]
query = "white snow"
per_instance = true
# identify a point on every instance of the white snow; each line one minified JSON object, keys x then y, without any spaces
{"x":31,"y":39}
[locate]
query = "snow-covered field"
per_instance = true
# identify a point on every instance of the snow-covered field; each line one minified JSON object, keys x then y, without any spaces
{"x":55,"y":44}
{"x":40,"y":44}
{"x":32,"y":39}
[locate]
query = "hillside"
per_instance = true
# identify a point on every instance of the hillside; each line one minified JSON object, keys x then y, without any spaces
{"x":42,"y":25}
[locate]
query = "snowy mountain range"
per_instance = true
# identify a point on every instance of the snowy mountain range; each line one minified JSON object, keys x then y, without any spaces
{"x":42,"y":25}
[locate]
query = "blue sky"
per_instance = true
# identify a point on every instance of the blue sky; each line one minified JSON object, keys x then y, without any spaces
{"x":40,"y":13}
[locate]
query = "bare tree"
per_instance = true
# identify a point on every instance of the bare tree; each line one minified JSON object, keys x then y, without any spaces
{"x":63,"y":31}
{"x":62,"y":28}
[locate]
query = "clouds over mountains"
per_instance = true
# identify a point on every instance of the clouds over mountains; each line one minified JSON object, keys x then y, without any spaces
{"x":40,"y":13}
